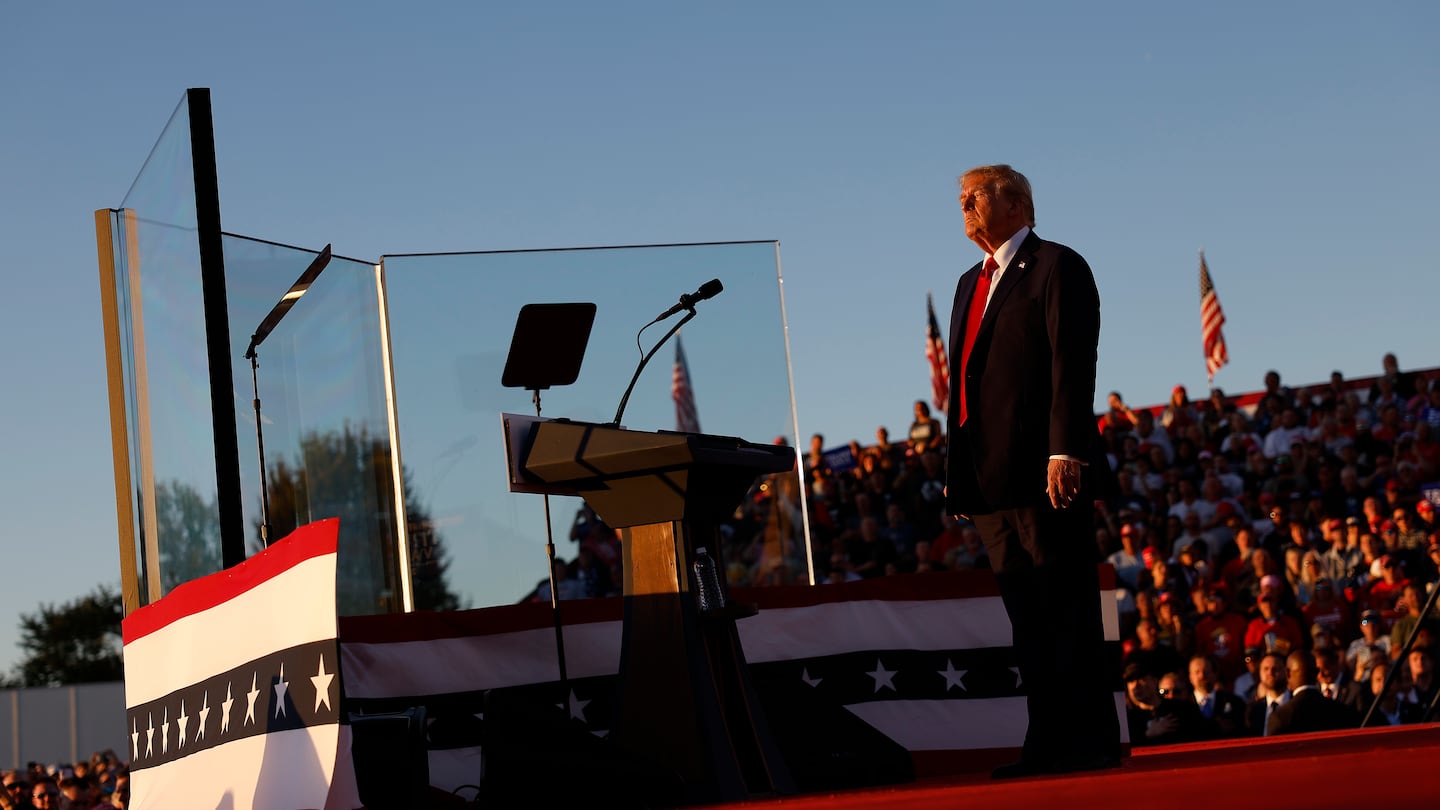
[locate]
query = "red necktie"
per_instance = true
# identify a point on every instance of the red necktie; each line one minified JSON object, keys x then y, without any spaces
{"x":972,"y":323}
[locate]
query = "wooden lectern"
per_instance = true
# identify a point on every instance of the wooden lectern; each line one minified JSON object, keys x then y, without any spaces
{"x":686,"y":702}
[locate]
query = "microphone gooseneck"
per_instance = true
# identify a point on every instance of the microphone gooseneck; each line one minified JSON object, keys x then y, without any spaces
{"x":687,"y":302}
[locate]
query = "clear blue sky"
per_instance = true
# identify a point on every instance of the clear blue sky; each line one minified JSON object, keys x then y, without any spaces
{"x":1294,"y":141}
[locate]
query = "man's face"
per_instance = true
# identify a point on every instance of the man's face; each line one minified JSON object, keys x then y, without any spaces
{"x":1420,"y":664}
{"x":1410,"y":598}
{"x":1167,"y":686}
{"x":1145,"y":633}
{"x":1272,"y":672}
{"x":990,"y":217}
{"x":1370,"y":628}
{"x":1202,"y":675}
{"x":1142,"y":689}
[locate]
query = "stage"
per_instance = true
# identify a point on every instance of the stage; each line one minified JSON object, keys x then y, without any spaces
{"x":1387,"y":767}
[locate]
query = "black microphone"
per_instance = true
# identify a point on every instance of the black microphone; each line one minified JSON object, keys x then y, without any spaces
{"x":709,"y":289}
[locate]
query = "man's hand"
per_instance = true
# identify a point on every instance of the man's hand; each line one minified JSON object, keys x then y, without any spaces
{"x":1062,"y":482}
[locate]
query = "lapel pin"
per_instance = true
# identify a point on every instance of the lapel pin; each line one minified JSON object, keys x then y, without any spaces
{"x":1022,"y":265}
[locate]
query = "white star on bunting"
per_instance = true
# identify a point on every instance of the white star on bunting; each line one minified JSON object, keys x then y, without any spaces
{"x":165,"y":732}
{"x":280,"y":693}
{"x":150,"y":734}
{"x":322,"y":685}
{"x":183,"y":722}
{"x":809,"y":681}
{"x":576,"y":707}
{"x":134,"y":739}
{"x":225,"y":709}
{"x":251,"y":696}
{"x":204,"y":714}
{"x":884,"y":678}
{"x":953,"y":677}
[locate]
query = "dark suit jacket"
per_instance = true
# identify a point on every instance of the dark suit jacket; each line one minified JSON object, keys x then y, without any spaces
{"x":1310,"y":711}
{"x":1228,"y":717}
{"x":1030,"y":380}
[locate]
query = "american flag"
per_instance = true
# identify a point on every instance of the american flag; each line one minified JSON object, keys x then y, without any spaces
{"x":939,"y":363}
{"x":1211,"y":319}
{"x":687,"y":419}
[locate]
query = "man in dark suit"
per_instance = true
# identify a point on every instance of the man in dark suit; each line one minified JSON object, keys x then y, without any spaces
{"x":1271,"y":693}
{"x":1308,"y":709}
{"x":1023,"y":332}
{"x":1222,"y":711}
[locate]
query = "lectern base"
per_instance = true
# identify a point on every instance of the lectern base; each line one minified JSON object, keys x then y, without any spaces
{"x":685,"y":695}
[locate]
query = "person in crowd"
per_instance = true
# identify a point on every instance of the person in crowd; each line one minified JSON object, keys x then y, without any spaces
{"x":871,"y":555}
{"x":45,"y":794}
{"x":926,"y":431}
{"x":1155,"y":718}
{"x":1179,"y":414}
{"x":1328,"y":609}
{"x":1333,"y":679}
{"x":1247,"y":682}
{"x":1271,"y":692}
{"x":1384,"y":593}
{"x":1390,"y":710}
{"x":1308,"y":709}
{"x":1025,"y":463}
{"x":1219,"y":635}
{"x":17,"y":786}
{"x":566,"y":585}
{"x":1280,"y":439}
{"x":1425,"y":518}
{"x":1272,"y":630}
{"x":1119,"y":419}
{"x":1421,"y":667}
{"x":1150,"y":435}
{"x":1410,"y":538}
{"x":1127,"y":560}
{"x":1371,"y":648}
{"x":1222,"y":712}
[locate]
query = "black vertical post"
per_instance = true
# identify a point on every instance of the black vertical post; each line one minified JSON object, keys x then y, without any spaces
{"x":217,"y":327}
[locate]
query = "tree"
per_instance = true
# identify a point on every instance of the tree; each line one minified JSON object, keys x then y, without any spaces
{"x":189,"y":530}
{"x":346,"y":474}
{"x":78,"y":642}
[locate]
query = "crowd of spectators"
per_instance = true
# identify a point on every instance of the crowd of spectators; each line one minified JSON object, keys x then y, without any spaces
{"x":1288,"y":538}
{"x":99,"y":783}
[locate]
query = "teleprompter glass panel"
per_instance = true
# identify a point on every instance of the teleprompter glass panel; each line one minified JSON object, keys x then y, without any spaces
{"x":166,"y":371}
{"x":451,"y":319}
{"x":324,"y":425}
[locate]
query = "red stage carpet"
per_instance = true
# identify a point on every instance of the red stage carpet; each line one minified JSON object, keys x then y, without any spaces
{"x":1388,"y":767}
